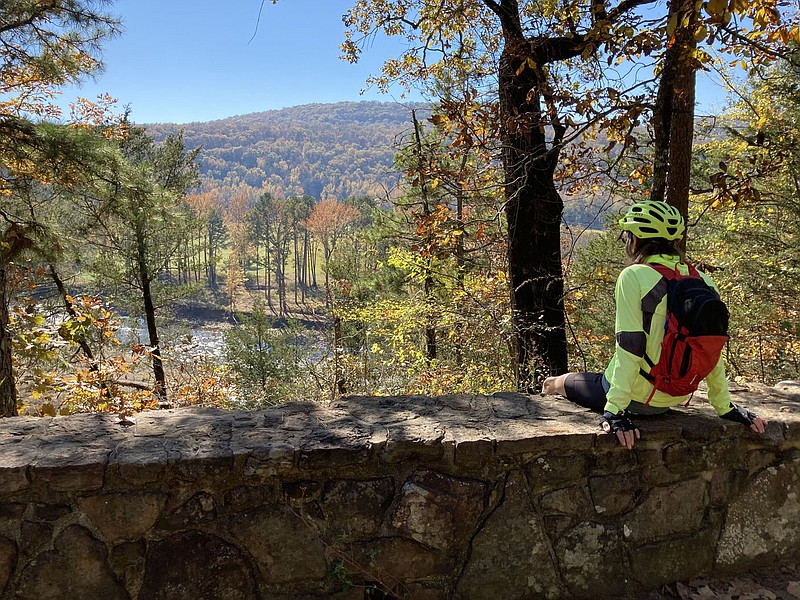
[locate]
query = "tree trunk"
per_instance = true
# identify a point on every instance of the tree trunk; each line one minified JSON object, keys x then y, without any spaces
{"x":533,"y":210}
{"x":150,"y":319}
{"x":430,"y":324}
{"x":328,"y":298}
{"x":681,"y":133}
{"x":211,"y":261}
{"x":80,"y":339}
{"x":268,"y":269}
{"x":673,"y":118}
{"x":313,"y":264}
{"x":258,"y":266}
{"x":460,"y":256}
{"x":8,"y":386}
{"x":296,"y":260}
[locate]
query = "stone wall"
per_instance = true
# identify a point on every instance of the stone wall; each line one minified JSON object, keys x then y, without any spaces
{"x":470,"y":497}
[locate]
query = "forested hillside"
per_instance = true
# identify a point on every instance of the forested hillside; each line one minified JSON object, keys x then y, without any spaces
{"x":341,"y":150}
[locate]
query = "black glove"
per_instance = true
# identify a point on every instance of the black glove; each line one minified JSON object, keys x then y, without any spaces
{"x":740,"y":415}
{"x":618,"y":422}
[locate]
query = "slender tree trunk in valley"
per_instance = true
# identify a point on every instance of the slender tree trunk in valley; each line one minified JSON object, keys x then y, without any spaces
{"x":211,"y":261}
{"x":304,"y":269}
{"x":268,"y":271}
{"x":328,"y":296}
{"x":150,"y":319}
{"x":312,"y":255}
{"x":296,"y":264}
{"x":258,"y":266}
{"x":193,"y":260}
{"x":200,"y":264}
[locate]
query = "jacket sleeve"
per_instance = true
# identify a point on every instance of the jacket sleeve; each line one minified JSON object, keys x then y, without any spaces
{"x":631,"y":342}
{"x":718,"y":395}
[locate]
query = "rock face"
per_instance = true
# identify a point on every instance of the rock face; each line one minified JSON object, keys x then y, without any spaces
{"x":472,"y":497}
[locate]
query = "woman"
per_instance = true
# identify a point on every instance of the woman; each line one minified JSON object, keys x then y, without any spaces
{"x":650,"y":230}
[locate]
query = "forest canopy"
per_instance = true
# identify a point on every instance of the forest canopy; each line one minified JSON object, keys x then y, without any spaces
{"x":323,"y":150}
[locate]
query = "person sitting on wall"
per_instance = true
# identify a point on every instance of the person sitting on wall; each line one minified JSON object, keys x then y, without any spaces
{"x":630,"y":384}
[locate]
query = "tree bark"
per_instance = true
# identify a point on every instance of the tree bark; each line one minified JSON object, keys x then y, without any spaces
{"x":533,"y":210}
{"x":8,"y":386}
{"x":430,"y":323}
{"x":80,"y":340}
{"x":150,"y":319}
{"x":673,"y":118}
{"x":681,"y":133}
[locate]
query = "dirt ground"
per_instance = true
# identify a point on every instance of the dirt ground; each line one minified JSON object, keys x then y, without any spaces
{"x":779,"y":583}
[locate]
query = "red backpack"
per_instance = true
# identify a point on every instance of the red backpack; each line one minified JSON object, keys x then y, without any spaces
{"x":695,"y":333}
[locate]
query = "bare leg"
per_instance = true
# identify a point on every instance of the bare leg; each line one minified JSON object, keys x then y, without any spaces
{"x":554,"y":385}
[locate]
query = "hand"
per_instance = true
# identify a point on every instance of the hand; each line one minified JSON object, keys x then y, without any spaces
{"x":758,"y":425}
{"x":745,"y":417}
{"x":627,"y":433}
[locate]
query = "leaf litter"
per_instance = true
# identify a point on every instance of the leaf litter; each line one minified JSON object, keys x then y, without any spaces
{"x":782,"y":583}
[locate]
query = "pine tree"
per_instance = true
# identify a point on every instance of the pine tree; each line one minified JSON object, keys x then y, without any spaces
{"x":45,"y":45}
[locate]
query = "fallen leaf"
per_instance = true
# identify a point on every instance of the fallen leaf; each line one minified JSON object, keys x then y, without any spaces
{"x":760,"y":594}
{"x":704,"y":593}
{"x":793,"y":587}
{"x":683,"y":591}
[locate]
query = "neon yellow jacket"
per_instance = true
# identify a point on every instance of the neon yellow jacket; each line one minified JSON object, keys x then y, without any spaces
{"x":641,"y":298}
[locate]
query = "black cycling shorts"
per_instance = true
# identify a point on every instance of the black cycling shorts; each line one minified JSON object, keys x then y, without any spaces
{"x":586,"y":389}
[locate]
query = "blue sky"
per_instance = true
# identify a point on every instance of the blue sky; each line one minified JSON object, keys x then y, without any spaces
{"x":182,"y":61}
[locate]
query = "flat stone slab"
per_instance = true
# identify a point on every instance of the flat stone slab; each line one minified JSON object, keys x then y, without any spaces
{"x":507,"y":423}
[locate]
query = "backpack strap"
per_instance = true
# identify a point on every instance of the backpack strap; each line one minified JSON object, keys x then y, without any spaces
{"x":671,"y":274}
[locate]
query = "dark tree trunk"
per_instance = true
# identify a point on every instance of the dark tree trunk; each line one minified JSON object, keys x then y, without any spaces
{"x":150,"y":319}
{"x":211,"y":261}
{"x":268,"y":270}
{"x":8,"y":386}
{"x":430,"y":322}
{"x":533,"y":210}
{"x":80,"y":339}
{"x":312,"y":264}
{"x":681,"y":133}
{"x":673,"y":118}
{"x":258,"y":266}
{"x":296,"y":260}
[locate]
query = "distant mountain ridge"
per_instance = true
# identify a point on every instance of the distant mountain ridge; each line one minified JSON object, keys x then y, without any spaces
{"x":342,"y":150}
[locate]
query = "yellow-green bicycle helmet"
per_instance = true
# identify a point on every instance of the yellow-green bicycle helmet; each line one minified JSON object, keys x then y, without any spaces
{"x":650,"y":219}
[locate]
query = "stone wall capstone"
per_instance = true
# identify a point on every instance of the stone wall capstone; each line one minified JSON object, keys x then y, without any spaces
{"x":457,"y":497}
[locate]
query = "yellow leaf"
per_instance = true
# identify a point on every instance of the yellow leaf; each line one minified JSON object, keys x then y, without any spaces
{"x":672,"y":25}
{"x":700,"y":34}
{"x":716,"y":8}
